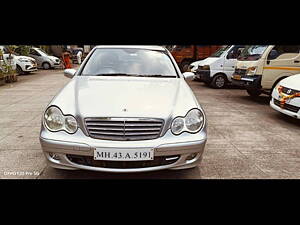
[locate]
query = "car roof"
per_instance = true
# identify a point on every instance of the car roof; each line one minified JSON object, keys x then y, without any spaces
{"x":148,"y":47}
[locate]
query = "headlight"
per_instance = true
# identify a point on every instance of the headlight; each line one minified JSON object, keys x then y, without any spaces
{"x":206,"y":67}
{"x":251,"y":70}
{"x":192,"y":122}
{"x":70,"y":124}
{"x":177,"y":125}
{"x":56,"y":121}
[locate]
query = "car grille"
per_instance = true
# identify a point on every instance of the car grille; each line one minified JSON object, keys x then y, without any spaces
{"x":287,"y":106}
{"x":289,"y":91}
{"x":89,"y":161}
{"x":240,"y":72}
{"x":124,"y":129}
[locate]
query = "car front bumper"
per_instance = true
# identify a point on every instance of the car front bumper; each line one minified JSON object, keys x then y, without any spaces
{"x":203,"y":75}
{"x":63,"y":145}
{"x":30,"y":68}
{"x":291,"y":108}
{"x":248,"y":82}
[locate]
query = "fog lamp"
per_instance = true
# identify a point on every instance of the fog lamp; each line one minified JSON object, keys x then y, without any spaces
{"x":191,"y":156}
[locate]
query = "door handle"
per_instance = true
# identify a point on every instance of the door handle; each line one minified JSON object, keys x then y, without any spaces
{"x":296,"y":61}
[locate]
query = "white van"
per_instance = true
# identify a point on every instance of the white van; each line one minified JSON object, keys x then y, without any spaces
{"x":217,"y":69}
{"x":261,"y":67}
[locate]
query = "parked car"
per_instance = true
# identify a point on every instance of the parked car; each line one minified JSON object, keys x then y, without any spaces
{"x":126,"y":109}
{"x":261,"y":67}
{"x":217,"y":69}
{"x":43,"y":60}
{"x":25,"y":64}
{"x":286,"y":96}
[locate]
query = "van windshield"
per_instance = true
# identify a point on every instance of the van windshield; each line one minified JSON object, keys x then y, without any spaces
{"x":252,"y":52}
{"x":219,"y":52}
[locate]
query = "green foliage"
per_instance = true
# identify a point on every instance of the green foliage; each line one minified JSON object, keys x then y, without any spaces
{"x":24,"y":49}
{"x":6,"y":68}
{"x":46,"y":48}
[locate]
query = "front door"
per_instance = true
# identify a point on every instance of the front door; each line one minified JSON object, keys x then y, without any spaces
{"x":231,"y":59}
{"x":282,"y":61}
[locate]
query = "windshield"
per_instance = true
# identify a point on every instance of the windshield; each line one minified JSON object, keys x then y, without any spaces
{"x":41,"y":52}
{"x":129,"y":62}
{"x":252,"y":52}
{"x":219,"y":52}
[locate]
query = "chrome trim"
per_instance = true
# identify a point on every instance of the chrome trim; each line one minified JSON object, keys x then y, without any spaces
{"x":124,"y":129}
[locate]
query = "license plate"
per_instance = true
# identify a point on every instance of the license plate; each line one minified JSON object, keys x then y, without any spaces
{"x":237,"y":77}
{"x":123,"y":154}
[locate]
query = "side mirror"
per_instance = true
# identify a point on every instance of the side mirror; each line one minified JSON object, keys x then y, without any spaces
{"x":188,"y":75}
{"x":70,"y":73}
{"x":273,"y":54}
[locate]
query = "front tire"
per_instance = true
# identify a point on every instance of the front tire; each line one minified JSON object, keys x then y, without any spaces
{"x":19,"y":70}
{"x":219,"y":81}
{"x":254,"y":92}
{"x":185,"y":66}
{"x":46,"y":66}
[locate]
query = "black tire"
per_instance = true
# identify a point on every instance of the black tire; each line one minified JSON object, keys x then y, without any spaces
{"x":19,"y":70}
{"x":219,"y":81}
{"x":46,"y":66}
{"x":197,"y":79}
{"x":185,"y":66}
{"x":254,"y":92}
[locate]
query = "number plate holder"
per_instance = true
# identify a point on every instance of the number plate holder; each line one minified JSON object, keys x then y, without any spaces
{"x":118,"y":154}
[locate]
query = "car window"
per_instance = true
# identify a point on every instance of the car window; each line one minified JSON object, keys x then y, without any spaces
{"x":284,"y":51}
{"x":33,"y":52}
{"x":139,"y":62}
{"x":235,"y":52}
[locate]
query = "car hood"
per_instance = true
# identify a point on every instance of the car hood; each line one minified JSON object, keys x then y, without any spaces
{"x":206,"y":61}
{"x":24,"y":57}
{"x":292,"y":82}
{"x":126,"y":97}
{"x":53,"y":58}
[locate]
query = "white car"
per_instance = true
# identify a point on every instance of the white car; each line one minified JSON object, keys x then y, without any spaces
{"x":42,"y":59}
{"x":286,"y":96}
{"x":217,"y":69}
{"x":25,"y":64}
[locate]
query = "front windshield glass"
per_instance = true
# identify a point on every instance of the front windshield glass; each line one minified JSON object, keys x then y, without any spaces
{"x":129,"y":62}
{"x":252,"y":52}
{"x":219,"y":52}
{"x":41,"y":52}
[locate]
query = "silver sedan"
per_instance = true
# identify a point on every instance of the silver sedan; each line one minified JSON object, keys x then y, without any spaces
{"x":126,"y":109}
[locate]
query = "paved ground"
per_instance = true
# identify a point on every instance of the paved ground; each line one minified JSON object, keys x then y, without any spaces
{"x":247,"y":139}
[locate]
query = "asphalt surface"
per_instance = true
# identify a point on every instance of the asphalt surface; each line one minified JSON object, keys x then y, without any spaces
{"x":246,"y":138}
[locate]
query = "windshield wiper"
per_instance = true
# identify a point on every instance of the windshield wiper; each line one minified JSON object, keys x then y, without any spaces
{"x":133,"y":75}
{"x":158,"y":75}
{"x":116,"y":74}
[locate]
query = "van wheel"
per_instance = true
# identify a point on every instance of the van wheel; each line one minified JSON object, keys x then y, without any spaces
{"x":219,"y":81}
{"x":185,"y":66}
{"x":254,"y":92}
{"x":46,"y":66}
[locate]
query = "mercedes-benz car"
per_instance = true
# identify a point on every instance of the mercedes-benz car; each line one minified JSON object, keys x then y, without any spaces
{"x":126,"y":109}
